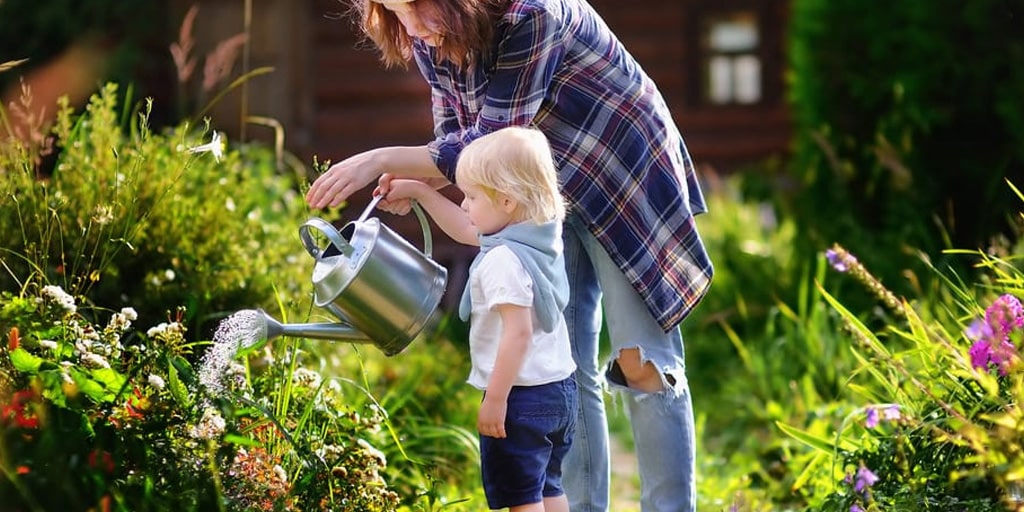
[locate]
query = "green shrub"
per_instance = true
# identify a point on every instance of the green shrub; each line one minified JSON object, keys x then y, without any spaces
{"x":900,"y":141}
{"x":133,"y":217}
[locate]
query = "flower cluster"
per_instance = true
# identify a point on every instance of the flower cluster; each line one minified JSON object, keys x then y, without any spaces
{"x":993,"y":336}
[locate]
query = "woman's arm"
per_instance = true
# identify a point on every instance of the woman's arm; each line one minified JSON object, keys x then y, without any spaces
{"x":356,"y":172}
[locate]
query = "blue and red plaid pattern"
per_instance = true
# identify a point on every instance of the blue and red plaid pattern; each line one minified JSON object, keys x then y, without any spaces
{"x":622,"y":163}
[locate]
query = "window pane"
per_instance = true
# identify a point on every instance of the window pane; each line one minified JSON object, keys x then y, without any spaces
{"x":733,"y":32}
{"x":748,"y":79}
{"x":720,"y":80}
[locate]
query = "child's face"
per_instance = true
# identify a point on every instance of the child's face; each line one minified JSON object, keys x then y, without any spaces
{"x":420,"y":19}
{"x":488,"y":216}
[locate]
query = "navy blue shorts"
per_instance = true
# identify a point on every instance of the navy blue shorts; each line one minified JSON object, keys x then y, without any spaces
{"x":526,"y":466}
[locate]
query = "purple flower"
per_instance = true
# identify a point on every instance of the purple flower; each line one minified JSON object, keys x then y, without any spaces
{"x":984,"y":355}
{"x":891,"y":413}
{"x":865,"y":479}
{"x":1004,"y":316}
{"x":871,"y":417}
{"x":836,"y":260}
{"x":856,"y":508}
{"x":981,"y":354}
{"x":979,"y":330}
{"x":993,"y":344}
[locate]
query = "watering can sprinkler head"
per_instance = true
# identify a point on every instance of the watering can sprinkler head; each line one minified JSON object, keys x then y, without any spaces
{"x":266,"y":327}
{"x":269,"y":328}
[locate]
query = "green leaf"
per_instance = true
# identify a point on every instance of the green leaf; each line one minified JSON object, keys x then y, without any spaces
{"x":53,"y":387}
{"x":25,"y":362}
{"x":90,"y":387}
{"x":241,"y":440}
{"x":178,"y":389}
{"x":185,"y":372}
{"x":109,"y":379}
{"x":818,"y":443}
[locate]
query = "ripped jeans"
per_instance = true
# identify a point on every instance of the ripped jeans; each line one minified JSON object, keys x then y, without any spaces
{"x":662,"y":423}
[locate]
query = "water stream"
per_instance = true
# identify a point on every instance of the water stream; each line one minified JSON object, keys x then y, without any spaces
{"x":239,"y":331}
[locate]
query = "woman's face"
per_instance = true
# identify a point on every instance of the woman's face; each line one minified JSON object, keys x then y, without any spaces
{"x":420,"y":19}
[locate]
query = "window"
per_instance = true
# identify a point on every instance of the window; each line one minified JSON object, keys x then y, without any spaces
{"x":732,"y":68}
{"x":734,"y":52}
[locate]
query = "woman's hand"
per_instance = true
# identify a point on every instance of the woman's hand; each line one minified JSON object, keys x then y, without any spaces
{"x":344,"y":179}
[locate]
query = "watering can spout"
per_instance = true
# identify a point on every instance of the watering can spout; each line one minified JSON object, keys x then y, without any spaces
{"x":337,"y":331}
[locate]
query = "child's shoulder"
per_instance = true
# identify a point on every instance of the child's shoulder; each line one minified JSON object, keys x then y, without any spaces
{"x":500,"y":258}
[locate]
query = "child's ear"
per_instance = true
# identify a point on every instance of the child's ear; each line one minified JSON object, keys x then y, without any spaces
{"x":508,"y":204}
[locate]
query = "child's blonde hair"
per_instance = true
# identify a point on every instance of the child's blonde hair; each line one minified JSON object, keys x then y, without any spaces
{"x":515,"y":161}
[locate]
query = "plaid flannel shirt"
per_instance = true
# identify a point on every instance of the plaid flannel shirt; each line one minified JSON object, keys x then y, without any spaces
{"x":623,"y":166}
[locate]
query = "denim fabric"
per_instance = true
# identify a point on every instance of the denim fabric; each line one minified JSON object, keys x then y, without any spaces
{"x":662,"y":423}
{"x":526,"y":466}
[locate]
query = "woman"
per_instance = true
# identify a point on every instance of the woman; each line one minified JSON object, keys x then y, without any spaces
{"x":631,"y":244}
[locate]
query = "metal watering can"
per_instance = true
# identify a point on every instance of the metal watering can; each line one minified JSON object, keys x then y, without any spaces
{"x":383,"y":290}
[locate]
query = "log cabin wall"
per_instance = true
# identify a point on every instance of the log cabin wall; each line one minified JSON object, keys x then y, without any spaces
{"x":357,"y":104}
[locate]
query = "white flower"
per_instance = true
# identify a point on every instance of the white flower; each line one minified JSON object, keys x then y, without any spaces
{"x":103,"y":214}
{"x":280,"y":473}
{"x":166,"y":329}
{"x":306,"y":378}
{"x":215,"y":146}
{"x":94,"y":361}
{"x":48,"y":344}
{"x":59,"y":297}
{"x":211,"y":426}
{"x":156,"y":381}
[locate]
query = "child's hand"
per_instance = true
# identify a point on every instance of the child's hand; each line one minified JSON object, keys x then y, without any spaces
{"x":491,"y":421}
{"x":396,"y":193}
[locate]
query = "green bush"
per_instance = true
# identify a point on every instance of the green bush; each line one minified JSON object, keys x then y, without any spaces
{"x":900,"y":141}
{"x":133,"y":217}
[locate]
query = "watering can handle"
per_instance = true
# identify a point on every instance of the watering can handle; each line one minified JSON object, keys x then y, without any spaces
{"x":428,"y":243}
{"x":328,"y":230}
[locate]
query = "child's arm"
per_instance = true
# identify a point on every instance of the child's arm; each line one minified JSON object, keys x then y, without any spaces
{"x":448,"y":215}
{"x":516,"y":329}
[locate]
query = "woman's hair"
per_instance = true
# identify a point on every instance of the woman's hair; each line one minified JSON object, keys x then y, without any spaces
{"x":515,"y":161}
{"x":467,"y":30}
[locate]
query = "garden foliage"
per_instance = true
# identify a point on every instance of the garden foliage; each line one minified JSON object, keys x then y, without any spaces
{"x":901,"y":140}
{"x":127,"y":216}
{"x":110,"y":263}
{"x":931,"y":419}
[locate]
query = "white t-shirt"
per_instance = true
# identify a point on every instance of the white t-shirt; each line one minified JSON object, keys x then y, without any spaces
{"x":500,"y":278}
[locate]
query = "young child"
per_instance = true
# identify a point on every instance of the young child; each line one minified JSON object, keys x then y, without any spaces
{"x":517,"y":289}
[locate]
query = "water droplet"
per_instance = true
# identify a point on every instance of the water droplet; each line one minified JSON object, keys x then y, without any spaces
{"x":241,"y":330}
